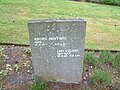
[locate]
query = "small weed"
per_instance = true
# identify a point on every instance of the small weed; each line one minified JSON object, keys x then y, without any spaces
{"x":101,"y":77}
{"x":28,"y":51}
{"x":39,"y":84}
{"x":1,"y":51}
{"x":116,"y":61}
{"x":17,"y":67}
{"x":91,"y":59}
{"x":6,"y":71}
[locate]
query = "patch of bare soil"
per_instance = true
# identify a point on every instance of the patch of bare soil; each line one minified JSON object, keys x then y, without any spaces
{"x":16,"y":68}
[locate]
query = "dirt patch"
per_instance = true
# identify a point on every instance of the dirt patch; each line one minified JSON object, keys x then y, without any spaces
{"x":17,"y":68}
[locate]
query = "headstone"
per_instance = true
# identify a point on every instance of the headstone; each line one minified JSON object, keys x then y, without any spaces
{"x":57,"y":47}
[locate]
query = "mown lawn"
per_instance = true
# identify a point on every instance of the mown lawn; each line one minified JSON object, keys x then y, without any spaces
{"x":103,"y":21}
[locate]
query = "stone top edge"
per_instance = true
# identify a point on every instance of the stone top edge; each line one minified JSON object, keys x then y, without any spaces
{"x":58,"y":20}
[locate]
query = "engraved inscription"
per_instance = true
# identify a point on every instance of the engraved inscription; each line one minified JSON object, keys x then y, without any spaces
{"x":42,"y":41}
{"x":57,"y":38}
{"x":56,"y":41}
{"x":68,"y":53}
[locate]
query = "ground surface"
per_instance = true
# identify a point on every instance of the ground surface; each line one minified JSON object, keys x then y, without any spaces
{"x":16,"y":72}
{"x":103,"y":21}
{"x":17,"y":69}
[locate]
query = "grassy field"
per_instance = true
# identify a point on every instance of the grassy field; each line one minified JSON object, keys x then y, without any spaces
{"x":103,"y":21}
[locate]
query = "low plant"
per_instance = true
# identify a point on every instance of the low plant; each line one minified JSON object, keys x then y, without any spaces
{"x":1,"y":51}
{"x":116,"y":61}
{"x":101,"y":77}
{"x":28,"y":51}
{"x":39,"y":84}
{"x":91,"y":59}
{"x":5,"y":72}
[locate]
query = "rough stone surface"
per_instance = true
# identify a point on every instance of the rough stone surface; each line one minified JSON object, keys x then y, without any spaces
{"x":58,"y":48}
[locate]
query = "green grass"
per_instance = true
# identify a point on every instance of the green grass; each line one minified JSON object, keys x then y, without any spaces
{"x":102,"y":58}
{"x":103,"y":21}
{"x":116,"y":61}
{"x":39,"y":84}
{"x":101,"y":77}
{"x":91,"y":59}
{"x":106,"y":57}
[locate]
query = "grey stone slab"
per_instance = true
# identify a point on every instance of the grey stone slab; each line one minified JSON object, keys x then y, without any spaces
{"x":58,"y":48}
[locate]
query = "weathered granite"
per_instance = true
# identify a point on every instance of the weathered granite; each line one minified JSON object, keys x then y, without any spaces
{"x":58,"y":48}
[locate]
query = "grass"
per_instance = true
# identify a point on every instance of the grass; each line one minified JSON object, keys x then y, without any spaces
{"x":106,"y":66}
{"x":116,"y":61}
{"x":1,"y":51}
{"x":91,"y":59}
{"x":101,"y":58}
{"x":106,"y":57}
{"x":103,"y":22}
{"x":101,"y":77}
{"x":39,"y":84}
